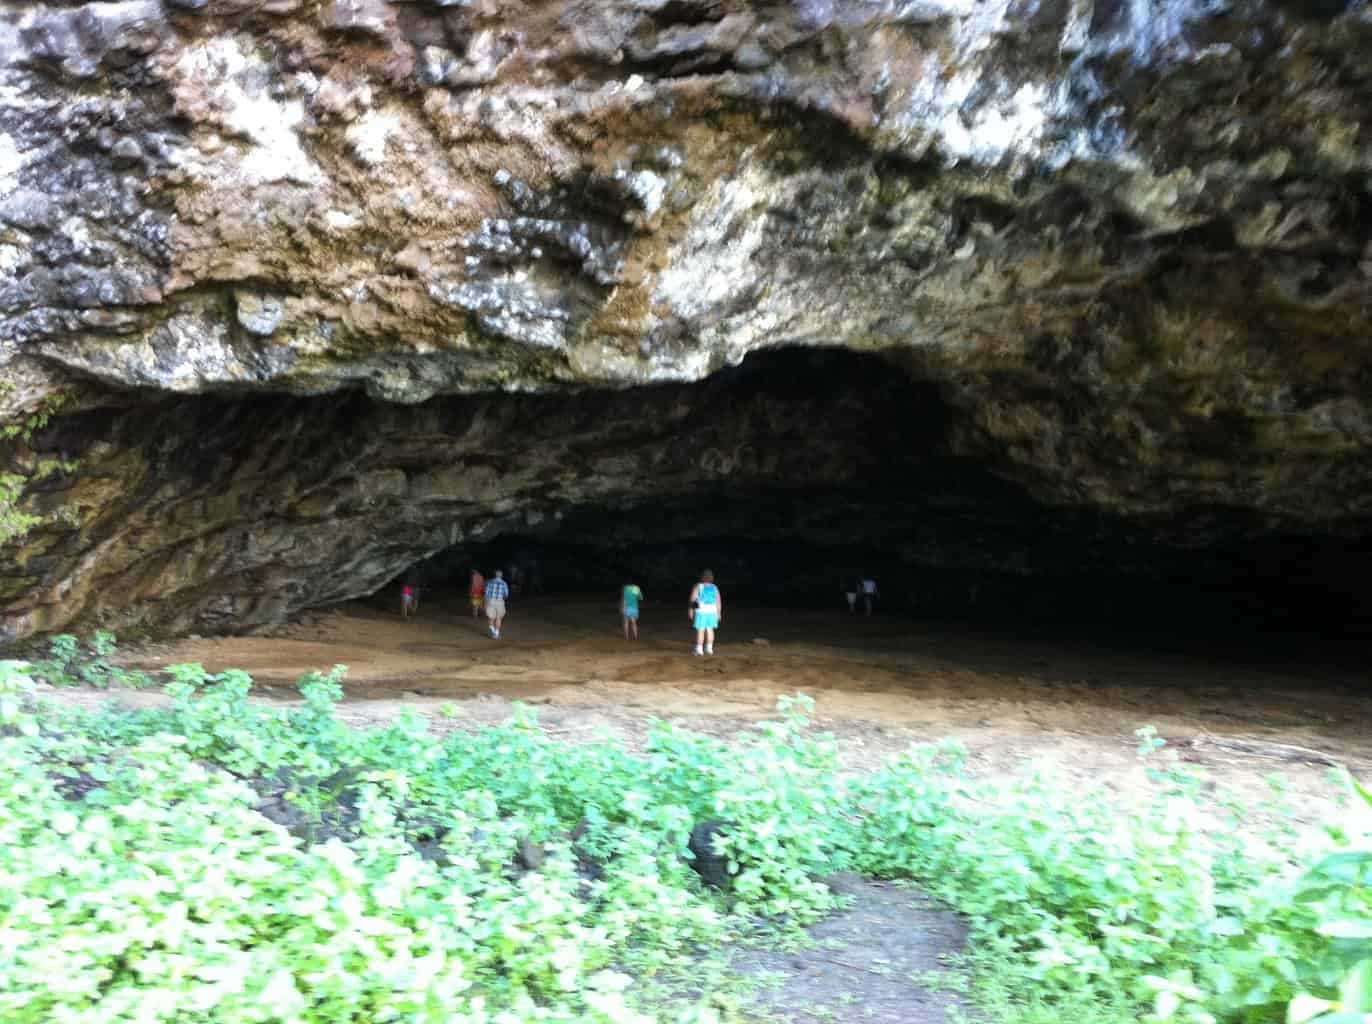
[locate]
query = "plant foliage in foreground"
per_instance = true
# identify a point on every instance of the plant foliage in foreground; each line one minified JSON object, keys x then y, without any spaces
{"x":142,"y":878}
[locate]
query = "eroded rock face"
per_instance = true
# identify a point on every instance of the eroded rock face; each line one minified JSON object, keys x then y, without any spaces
{"x":1127,"y":246}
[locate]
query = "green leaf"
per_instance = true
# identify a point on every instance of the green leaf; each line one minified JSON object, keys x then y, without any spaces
{"x":1168,"y":1002}
{"x":1360,"y":789}
{"x":1348,"y":928}
{"x":1355,"y":994}
{"x":1305,"y":1008}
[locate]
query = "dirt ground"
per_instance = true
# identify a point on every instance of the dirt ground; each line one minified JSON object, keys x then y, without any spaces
{"x":880,"y":684}
{"x":870,"y":964}
{"x":1073,"y":700}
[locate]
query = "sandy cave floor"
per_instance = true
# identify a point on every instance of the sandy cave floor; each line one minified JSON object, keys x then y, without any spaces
{"x":1071,"y":699}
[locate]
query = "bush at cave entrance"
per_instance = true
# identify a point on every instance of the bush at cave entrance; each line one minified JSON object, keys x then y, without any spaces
{"x":150,"y":874}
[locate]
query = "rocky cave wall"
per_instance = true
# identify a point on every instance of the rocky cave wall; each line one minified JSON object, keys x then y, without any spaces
{"x":291,"y":278}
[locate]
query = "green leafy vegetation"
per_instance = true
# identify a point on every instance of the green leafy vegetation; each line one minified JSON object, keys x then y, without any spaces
{"x":214,"y":859}
{"x":15,"y":523}
{"x":71,"y":663}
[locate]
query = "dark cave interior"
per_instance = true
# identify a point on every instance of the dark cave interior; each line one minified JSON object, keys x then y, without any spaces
{"x":789,"y":475}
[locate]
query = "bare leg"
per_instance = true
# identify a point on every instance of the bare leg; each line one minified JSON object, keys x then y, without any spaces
{"x":626,"y":626}
{"x":635,"y":622}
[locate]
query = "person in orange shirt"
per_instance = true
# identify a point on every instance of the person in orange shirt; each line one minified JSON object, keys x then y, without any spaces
{"x":478,"y":592}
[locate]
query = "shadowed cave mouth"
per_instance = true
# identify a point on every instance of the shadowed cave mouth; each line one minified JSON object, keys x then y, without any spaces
{"x":789,"y":475}
{"x":802,"y":470}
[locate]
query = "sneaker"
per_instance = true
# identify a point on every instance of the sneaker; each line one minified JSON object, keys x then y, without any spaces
{"x":709,"y":650}
{"x":698,"y":652}
{"x":494,"y":634}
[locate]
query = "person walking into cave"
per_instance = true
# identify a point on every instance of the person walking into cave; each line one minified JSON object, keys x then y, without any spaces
{"x":707,"y":609}
{"x":477,"y":591}
{"x":869,"y":593}
{"x":850,"y":593}
{"x":409,"y":600}
{"x":629,"y":599}
{"x":496,"y":592}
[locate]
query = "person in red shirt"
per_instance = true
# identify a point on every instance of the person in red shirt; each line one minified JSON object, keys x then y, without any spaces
{"x":408,"y":600}
{"x":478,"y":592}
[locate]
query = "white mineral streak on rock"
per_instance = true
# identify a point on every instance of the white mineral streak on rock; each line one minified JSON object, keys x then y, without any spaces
{"x":981,"y":115}
{"x":649,"y":189}
{"x":185,"y":354}
{"x":200,"y":352}
{"x":680,"y":366}
{"x":235,"y":84}
{"x":1013,"y":122}
{"x":712,"y":264}
{"x":10,"y":50}
{"x":368,"y":137}
{"x":338,"y":220}
{"x":11,"y":162}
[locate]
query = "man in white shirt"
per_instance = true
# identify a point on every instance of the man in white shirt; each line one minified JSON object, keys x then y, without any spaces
{"x":869,"y":593}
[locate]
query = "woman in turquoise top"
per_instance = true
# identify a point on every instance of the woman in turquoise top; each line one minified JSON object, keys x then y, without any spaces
{"x":707,"y":609}
{"x":628,"y":608}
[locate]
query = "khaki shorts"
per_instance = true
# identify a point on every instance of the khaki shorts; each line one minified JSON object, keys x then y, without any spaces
{"x":495,"y":608}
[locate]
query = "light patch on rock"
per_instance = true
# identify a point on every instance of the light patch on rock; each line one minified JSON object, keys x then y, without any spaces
{"x":712,"y":264}
{"x":11,"y":53}
{"x":509,"y":308}
{"x":11,"y":258}
{"x":340,"y":221}
{"x":368,"y":137}
{"x":184,"y":354}
{"x":235,"y":83}
{"x":11,"y":163}
{"x":690,"y":365}
{"x":1017,"y":118}
{"x":1006,"y":125}
{"x":259,"y":314}
{"x":649,"y":189}
{"x":77,"y":232}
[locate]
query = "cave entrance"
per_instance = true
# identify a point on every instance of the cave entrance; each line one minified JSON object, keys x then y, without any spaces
{"x":801,"y":471}
{"x":788,"y":474}
{"x":1283,"y":600}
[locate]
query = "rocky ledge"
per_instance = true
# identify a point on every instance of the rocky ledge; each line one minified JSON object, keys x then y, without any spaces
{"x":270,"y":271}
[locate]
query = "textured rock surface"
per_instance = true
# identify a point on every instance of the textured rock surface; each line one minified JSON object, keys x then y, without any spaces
{"x":1126,"y":247}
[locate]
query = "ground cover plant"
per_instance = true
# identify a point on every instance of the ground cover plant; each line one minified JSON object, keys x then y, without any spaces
{"x":216,"y":860}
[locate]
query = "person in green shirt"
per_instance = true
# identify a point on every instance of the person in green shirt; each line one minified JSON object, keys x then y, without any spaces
{"x":628,"y":608}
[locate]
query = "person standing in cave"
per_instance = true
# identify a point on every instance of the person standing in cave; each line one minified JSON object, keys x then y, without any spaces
{"x":496,"y":593}
{"x":629,"y":599}
{"x":707,"y":610}
{"x":850,"y":592}
{"x":409,"y":600}
{"x":477,"y":590}
{"x":869,"y":593}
